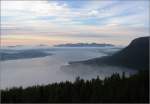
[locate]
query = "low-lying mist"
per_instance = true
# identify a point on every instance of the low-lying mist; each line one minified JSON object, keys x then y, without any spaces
{"x":55,"y":68}
{"x":91,"y":71}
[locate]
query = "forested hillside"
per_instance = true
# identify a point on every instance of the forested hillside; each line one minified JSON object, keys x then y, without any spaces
{"x":134,"y":56}
{"x":115,"y":88}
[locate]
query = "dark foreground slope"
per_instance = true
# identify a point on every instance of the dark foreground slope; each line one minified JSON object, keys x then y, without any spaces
{"x":135,"y":56}
{"x":110,"y":90}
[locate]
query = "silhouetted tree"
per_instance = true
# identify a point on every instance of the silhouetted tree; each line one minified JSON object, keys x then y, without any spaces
{"x":114,"y":89}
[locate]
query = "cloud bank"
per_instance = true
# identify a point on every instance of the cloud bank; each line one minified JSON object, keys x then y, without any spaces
{"x":53,"y":22}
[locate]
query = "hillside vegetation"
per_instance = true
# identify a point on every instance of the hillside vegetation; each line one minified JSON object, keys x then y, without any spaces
{"x":134,"y":56}
{"x":114,"y":89}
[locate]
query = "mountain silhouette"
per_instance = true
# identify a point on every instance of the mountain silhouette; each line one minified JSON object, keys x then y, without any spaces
{"x":135,"y":55}
{"x":83,"y":45}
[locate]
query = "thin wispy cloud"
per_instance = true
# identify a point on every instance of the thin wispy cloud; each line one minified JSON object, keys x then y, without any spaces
{"x":69,"y":21}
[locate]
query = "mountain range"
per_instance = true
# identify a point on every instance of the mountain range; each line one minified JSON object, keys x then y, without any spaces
{"x":83,"y":45}
{"x":22,"y":54}
{"x":135,"y":56}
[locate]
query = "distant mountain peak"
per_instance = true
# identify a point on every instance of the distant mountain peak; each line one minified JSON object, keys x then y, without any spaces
{"x":83,"y":45}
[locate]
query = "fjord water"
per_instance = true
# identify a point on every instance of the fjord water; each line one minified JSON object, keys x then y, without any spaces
{"x":50,"y":69}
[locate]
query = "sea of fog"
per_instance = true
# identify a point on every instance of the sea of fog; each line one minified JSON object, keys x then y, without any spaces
{"x":53,"y":68}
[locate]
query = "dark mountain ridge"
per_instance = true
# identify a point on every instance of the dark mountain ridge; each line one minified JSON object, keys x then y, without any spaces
{"x":83,"y":45}
{"x":135,"y":55}
{"x":22,"y":54}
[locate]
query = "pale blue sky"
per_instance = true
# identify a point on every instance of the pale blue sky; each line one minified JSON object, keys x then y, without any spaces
{"x":64,"y":21}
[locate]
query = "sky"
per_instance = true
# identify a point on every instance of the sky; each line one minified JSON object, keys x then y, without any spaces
{"x":67,"y":21}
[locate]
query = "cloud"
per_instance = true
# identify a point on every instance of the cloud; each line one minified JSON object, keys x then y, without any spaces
{"x":97,"y":19}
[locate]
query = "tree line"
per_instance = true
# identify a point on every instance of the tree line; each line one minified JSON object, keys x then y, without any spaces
{"x":113,"y":89}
